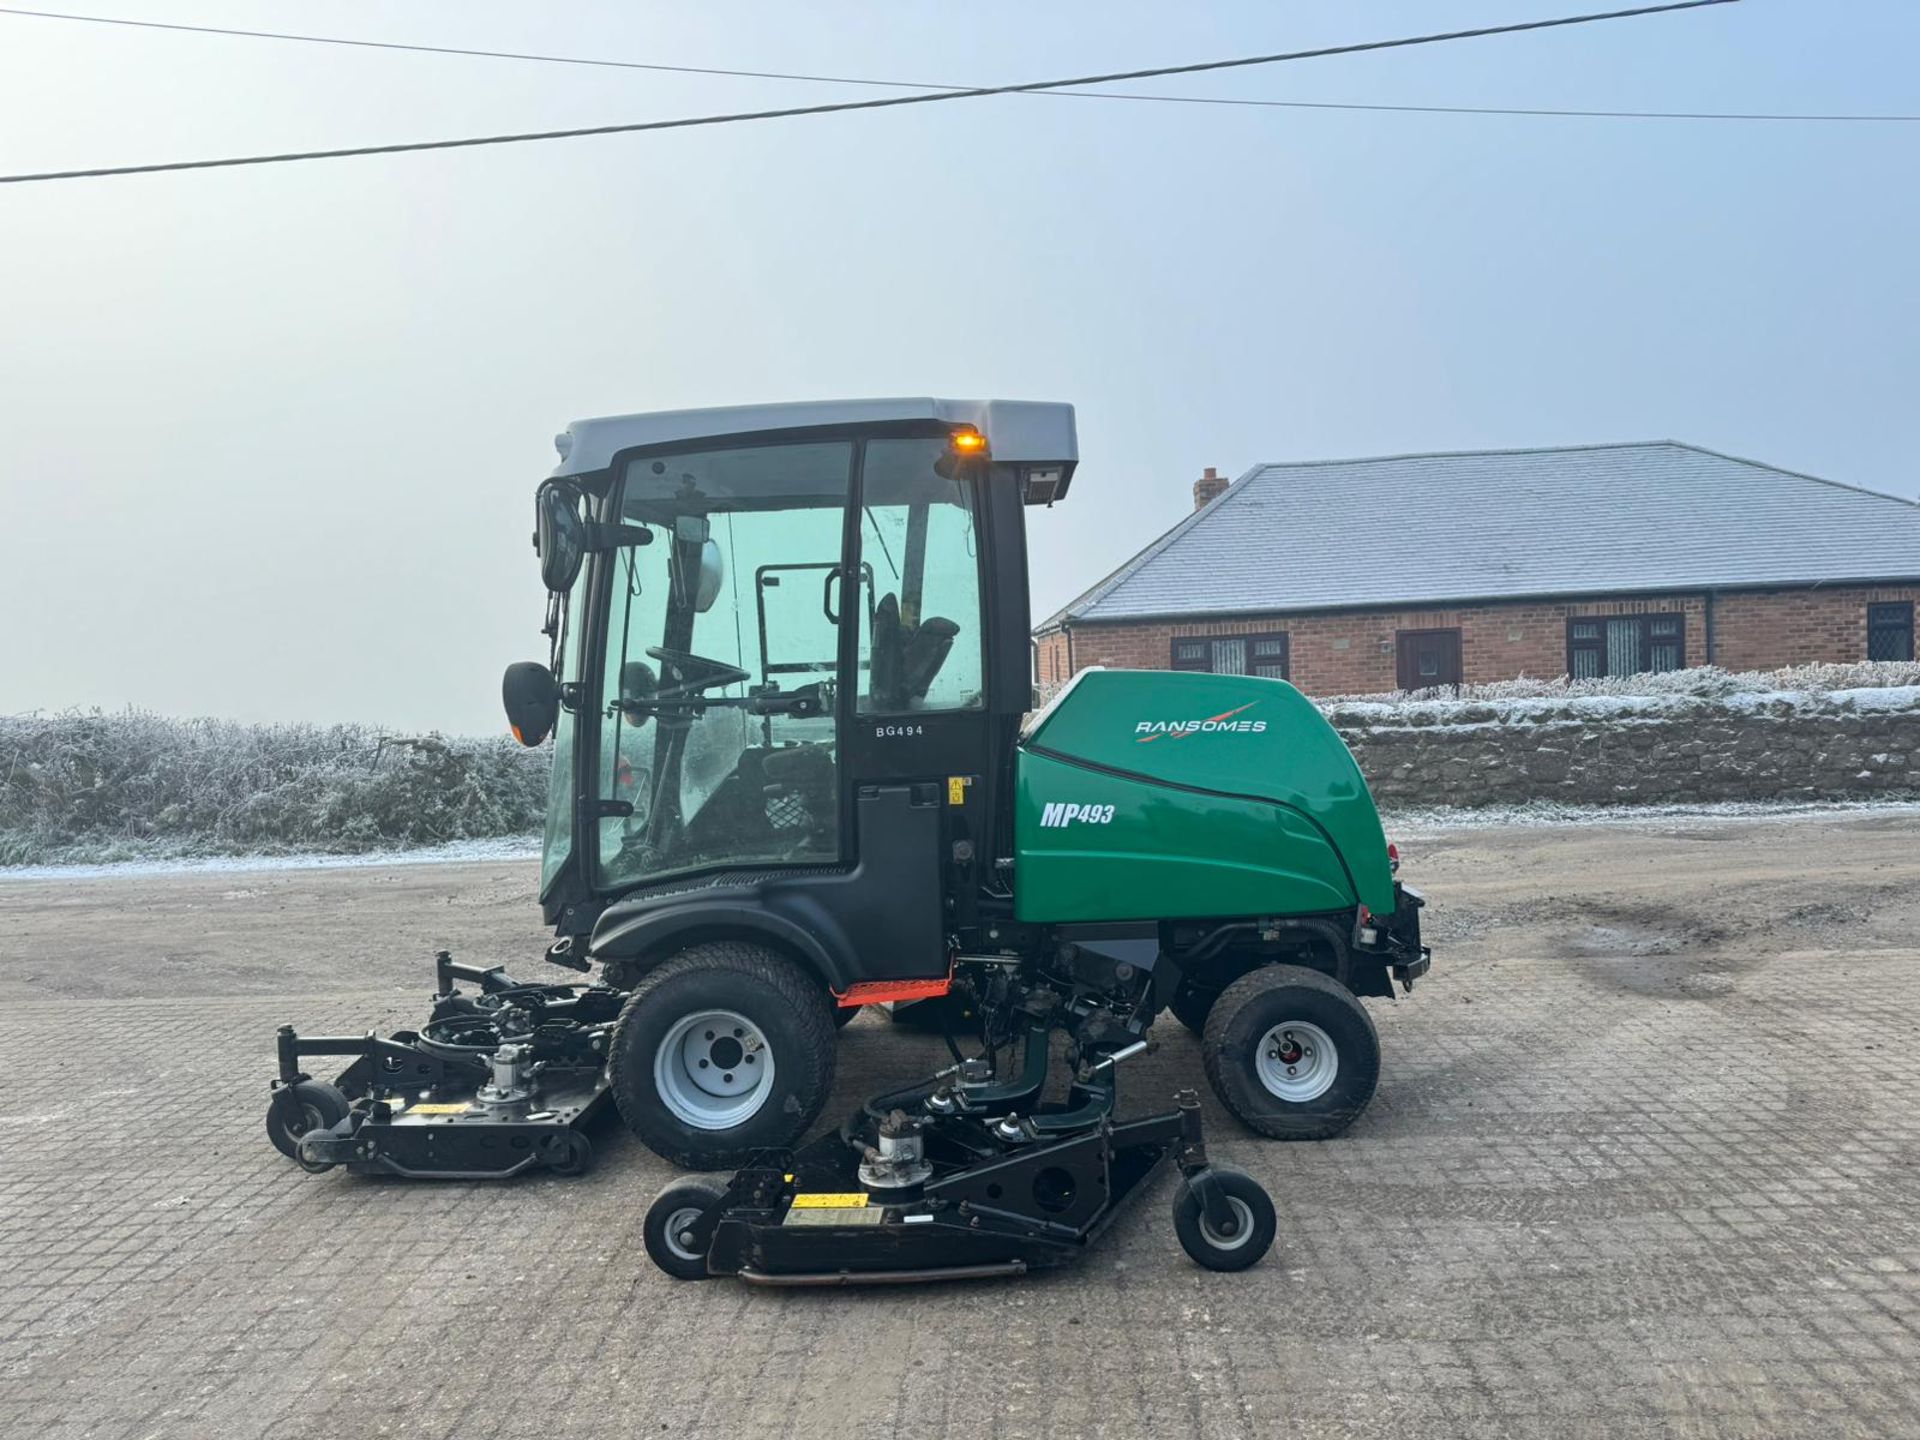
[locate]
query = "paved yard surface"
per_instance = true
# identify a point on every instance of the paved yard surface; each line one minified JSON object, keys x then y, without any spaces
{"x":1645,"y":1160}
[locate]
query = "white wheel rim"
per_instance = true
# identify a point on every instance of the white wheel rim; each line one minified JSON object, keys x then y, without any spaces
{"x":1296,"y":1061}
{"x":677,"y":1222}
{"x":1243,"y":1218}
{"x":713,"y":1070}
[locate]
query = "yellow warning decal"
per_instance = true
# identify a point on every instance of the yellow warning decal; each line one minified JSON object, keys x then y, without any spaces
{"x":439,"y":1109}
{"x":957,"y":789}
{"x":822,"y":1201}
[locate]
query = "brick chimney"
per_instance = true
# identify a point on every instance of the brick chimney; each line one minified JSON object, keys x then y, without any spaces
{"x":1209,"y":487}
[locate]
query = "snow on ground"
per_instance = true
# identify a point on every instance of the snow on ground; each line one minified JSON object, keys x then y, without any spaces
{"x":513,"y":847}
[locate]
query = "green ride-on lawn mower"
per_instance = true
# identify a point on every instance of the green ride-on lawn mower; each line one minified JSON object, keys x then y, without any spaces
{"x":795,"y":773}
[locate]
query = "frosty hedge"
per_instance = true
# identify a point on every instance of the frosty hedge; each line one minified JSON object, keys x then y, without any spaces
{"x":91,"y":786}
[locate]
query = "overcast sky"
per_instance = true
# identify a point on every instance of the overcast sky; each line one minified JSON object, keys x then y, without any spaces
{"x":268,"y":437}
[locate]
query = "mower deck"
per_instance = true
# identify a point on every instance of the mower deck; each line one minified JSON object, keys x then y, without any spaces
{"x":816,"y":1224}
{"x":953,"y":1182}
{"x":492,"y":1085}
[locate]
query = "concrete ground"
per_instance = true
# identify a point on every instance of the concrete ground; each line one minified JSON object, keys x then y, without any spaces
{"x":1645,"y":1160}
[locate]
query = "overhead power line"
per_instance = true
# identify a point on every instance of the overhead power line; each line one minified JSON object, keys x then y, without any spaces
{"x":1531,"y":111}
{"x":883,"y":102}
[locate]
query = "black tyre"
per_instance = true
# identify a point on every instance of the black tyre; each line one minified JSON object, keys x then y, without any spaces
{"x":723,"y":1050}
{"x":664,"y":1236}
{"x":1292,"y":1053}
{"x":1252,"y":1232}
{"x":311,"y":1105}
{"x":577,"y":1157}
{"x":1191,"y":1006}
{"x":843,"y":1014}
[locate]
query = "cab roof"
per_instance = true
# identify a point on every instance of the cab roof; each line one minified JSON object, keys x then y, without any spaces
{"x":1017,"y":431}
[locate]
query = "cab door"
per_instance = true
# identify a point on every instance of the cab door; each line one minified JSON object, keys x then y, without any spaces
{"x":921,"y":700}
{"x":721,"y":681}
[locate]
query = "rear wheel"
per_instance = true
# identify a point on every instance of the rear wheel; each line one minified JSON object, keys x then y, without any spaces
{"x":1292,"y":1053}
{"x":723,"y":1050}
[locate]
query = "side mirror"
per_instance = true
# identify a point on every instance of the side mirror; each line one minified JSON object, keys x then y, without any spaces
{"x":713,"y":572}
{"x":699,"y":581}
{"x":560,"y":535}
{"x":532,"y":699}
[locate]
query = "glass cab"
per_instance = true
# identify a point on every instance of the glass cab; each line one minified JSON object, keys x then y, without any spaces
{"x":762,"y":600}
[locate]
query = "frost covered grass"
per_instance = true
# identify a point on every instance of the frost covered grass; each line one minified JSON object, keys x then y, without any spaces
{"x":90,"y":787}
{"x":1703,"y":682}
{"x":1866,"y":686}
{"x":1839,"y":683}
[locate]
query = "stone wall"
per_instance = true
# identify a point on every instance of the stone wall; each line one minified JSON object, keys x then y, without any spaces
{"x":1607,"y":750}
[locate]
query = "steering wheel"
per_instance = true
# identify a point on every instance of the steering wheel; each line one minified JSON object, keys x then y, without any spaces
{"x":696,"y":672}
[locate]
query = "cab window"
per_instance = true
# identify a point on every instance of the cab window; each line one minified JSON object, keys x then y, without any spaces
{"x":920,"y":628}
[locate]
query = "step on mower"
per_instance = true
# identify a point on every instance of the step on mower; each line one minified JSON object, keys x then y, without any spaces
{"x":799,"y":768}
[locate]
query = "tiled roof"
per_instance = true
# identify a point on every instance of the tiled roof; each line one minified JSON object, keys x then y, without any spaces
{"x":1427,"y":529}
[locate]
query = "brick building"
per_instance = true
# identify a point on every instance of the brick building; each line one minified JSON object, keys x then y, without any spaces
{"x":1356,"y":576}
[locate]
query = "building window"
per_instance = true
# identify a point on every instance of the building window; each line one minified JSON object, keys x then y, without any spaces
{"x":1890,"y":631}
{"x":1427,"y":659}
{"x":1625,"y":645}
{"x":1233,"y":655}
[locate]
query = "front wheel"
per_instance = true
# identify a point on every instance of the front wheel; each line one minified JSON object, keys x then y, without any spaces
{"x":723,"y":1050}
{"x":1292,"y":1053}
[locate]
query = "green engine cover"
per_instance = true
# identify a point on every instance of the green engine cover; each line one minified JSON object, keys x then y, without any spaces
{"x":1155,"y":795}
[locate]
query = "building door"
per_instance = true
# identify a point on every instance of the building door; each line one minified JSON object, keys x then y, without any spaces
{"x":1427,"y":658}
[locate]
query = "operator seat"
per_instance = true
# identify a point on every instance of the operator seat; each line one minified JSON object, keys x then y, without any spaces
{"x":925,"y":652}
{"x":802,"y":794}
{"x":906,"y":661}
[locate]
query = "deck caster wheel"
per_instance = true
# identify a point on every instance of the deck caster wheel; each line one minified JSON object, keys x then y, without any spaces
{"x":295,"y":1109}
{"x":1292,"y":1053}
{"x":577,"y":1158}
{"x":665,"y":1235}
{"x":1236,"y":1244}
